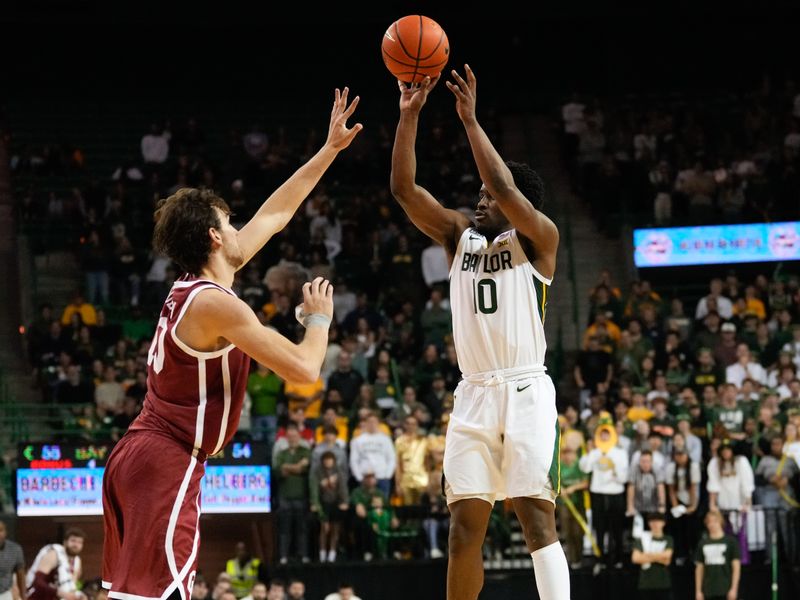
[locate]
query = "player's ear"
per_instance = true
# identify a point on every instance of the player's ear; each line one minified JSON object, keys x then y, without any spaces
{"x":215,"y":236}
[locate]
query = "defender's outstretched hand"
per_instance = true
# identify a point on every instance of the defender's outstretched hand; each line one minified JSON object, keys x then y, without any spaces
{"x":465,"y":93}
{"x":414,"y":95}
{"x":339,"y":136}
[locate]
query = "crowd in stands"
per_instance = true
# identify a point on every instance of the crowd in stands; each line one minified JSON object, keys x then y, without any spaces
{"x":703,"y":399}
{"x":687,"y":158}
{"x":363,"y":445}
{"x":705,"y":405}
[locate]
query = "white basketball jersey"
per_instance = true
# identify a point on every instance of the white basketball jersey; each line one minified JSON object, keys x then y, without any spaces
{"x":498,"y":301}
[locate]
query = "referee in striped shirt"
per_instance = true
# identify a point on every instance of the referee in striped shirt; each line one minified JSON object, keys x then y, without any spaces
{"x":11,"y":561}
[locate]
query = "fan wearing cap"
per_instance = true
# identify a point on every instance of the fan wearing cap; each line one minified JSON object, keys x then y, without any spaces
{"x":731,"y":481}
{"x":653,"y":551}
{"x":725,"y":350}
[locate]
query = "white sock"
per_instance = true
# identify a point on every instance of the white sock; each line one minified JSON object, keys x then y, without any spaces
{"x":322,"y":555}
{"x":331,"y":555}
{"x":552,"y":572}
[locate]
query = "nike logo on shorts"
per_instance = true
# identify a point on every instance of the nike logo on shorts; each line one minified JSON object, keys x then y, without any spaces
{"x":523,"y":388}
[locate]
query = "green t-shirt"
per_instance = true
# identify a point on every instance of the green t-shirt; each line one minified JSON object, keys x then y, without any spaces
{"x":292,"y":486}
{"x":264,"y":391}
{"x":717,"y":555}
{"x":654,"y":576}
{"x":732,"y":418}
{"x":570,"y":475}
{"x":361,"y":495}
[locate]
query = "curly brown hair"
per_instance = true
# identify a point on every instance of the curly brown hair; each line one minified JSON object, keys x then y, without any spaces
{"x":181,"y":229}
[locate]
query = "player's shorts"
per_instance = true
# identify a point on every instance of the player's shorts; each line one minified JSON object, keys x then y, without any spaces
{"x":151,"y":512}
{"x":503,"y":438}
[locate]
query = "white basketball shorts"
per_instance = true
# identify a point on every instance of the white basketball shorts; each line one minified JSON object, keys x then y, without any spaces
{"x":503,"y":439}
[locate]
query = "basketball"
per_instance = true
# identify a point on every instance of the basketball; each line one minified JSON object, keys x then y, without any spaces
{"x":415,"y":47}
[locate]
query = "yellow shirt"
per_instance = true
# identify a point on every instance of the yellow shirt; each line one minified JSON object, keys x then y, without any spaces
{"x":636,"y":413}
{"x":411,"y":453}
{"x":383,"y":428}
{"x":306,"y":391}
{"x":85,"y":310}
{"x":341,"y":425}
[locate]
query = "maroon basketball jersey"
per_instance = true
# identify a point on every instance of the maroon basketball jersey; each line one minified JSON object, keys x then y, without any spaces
{"x":194,"y":397}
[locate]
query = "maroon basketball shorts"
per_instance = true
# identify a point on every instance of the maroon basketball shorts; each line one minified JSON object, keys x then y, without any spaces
{"x":151,"y":512}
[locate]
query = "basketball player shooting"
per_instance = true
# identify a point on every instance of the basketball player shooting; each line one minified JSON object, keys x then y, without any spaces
{"x":502,"y":441}
{"x":197,"y":373}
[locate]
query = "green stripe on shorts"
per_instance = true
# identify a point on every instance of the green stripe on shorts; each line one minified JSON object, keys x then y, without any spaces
{"x":555,"y":466}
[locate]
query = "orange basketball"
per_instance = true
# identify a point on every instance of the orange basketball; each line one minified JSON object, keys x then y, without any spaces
{"x":414,"y":47}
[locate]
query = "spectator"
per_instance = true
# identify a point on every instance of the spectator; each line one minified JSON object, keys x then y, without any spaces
{"x":95,"y":263}
{"x":346,"y":592}
{"x":264,"y":388}
{"x":776,"y":494}
{"x":435,"y":320}
{"x":653,"y":551}
{"x":330,"y":500}
{"x":723,"y":304}
{"x":200,"y":589}
{"x":706,"y":372}
{"x":373,"y":452}
{"x":296,"y":590}
{"x":383,"y":522}
{"x":305,"y":396}
{"x":345,"y":379}
{"x":726,"y":349}
{"x":255,"y":143}
{"x":593,"y":370}
{"x":646,"y":492}
{"x":291,"y":468}
{"x":730,"y":481}
{"x":276,"y":590}
{"x":573,"y":483}
{"x":361,"y":499}
{"x":12,"y":564}
{"x":296,"y":417}
{"x":81,"y":307}
{"x":717,"y":563}
{"x":731,"y":413}
{"x":411,"y":476}
{"x":155,"y":145}
{"x":245,"y":571}
{"x":609,"y":474}
{"x":330,"y":442}
{"x":74,"y":390}
{"x":109,"y":395}
{"x":435,"y":269}
{"x":257,"y":592}
{"x":745,"y":368}
{"x":683,"y":481}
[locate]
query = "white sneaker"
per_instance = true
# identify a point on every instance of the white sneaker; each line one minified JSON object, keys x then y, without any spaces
{"x":284,"y":560}
{"x":367,"y":556}
{"x":436,"y":553}
{"x":331,"y":555}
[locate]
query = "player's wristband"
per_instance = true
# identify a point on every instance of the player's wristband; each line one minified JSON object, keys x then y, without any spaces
{"x":316,"y":320}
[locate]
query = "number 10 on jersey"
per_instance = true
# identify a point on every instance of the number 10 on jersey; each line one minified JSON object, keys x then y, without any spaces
{"x":484,"y":296}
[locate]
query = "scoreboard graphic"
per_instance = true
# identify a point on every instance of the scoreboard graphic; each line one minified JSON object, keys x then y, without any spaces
{"x":67,"y":479}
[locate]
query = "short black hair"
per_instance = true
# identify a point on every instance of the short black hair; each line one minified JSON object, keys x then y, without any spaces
{"x":528,"y":182}
{"x":182,"y":224}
